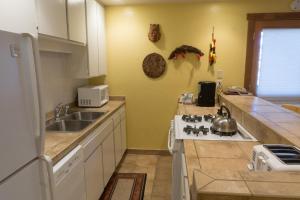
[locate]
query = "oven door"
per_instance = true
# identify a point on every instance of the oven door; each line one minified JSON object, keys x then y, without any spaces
{"x":177,"y":190}
{"x":185,"y":188}
{"x":171,"y":138}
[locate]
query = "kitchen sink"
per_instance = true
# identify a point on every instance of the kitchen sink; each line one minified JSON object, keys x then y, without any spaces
{"x":84,"y":116}
{"x":68,"y":125}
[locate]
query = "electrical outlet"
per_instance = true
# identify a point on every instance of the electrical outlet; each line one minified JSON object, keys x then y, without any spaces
{"x":219,"y":74}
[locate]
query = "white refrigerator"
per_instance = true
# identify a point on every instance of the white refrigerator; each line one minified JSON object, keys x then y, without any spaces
{"x":23,"y":168}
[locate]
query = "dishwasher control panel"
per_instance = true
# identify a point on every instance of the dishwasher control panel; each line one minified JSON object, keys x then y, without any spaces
{"x":66,"y":164}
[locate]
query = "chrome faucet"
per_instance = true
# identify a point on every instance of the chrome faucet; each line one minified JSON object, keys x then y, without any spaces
{"x":59,"y":109}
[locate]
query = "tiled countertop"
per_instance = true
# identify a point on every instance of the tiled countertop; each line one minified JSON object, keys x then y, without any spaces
{"x":283,"y":122}
{"x":218,"y":169}
{"x":58,"y":144}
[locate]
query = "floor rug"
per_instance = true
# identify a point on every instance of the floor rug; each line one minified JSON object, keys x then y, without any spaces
{"x":125,"y":186}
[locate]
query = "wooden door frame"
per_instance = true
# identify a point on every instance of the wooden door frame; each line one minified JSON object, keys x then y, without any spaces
{"x":256,"y":22}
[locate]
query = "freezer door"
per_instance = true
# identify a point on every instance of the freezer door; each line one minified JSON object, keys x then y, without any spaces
{"x":25,"y":184}
{"x":19,"y":105}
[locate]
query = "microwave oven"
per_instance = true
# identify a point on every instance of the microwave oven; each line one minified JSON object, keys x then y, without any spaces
{"x":93,"y":96}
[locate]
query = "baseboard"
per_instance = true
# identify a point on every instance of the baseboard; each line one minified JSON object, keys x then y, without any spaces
{"x":148,"y":152}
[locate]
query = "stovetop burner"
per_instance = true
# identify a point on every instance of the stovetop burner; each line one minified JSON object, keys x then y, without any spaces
{"x":208,"y":117}
{"x":192,"y":118}
{"x":188,"y":127}
{"x":196,"y":131}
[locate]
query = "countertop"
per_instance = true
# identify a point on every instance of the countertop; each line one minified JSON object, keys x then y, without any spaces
{"x":285,"y":123}
{"x":58,"y":144}
{"x":218,"y":169}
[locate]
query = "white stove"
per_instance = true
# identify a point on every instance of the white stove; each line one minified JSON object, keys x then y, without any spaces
{"x":198,"y":128}
{"x":194,"y":128}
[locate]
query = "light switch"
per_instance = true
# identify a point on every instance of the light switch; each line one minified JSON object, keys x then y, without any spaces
{"x":14,"y":51}
{"x":219,"y":74}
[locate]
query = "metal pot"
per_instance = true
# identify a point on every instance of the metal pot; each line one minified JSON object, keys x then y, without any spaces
{"x":224,"y":123}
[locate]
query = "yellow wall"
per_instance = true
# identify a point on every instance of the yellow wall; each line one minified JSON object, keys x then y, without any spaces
{"x":151,"y":104}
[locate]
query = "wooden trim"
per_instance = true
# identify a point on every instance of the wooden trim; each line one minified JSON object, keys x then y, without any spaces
{"x":148,"y":152}
{"x":255,"y":58}
{"x":248,"y":68}
{"x":277,"y":24}
{"x":273,"y":16}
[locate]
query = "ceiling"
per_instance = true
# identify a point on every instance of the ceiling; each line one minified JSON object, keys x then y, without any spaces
{"x":131,"y":2}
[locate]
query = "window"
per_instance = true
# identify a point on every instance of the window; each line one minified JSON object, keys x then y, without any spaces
{"x":273,"y":61}
{"x":278,"y":73}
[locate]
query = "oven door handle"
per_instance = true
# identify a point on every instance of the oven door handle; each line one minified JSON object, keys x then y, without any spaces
{"x":170,"y":142}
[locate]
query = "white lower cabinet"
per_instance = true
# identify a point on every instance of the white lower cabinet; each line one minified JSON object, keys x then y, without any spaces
{"x":103,"y":150}
{"x":108,"y":157}
{"x":123,"y":130}
{"x":118,"y":143}
{"x":94,"y":175}
{"x":119,"y":134}
{"x":93,"y":156}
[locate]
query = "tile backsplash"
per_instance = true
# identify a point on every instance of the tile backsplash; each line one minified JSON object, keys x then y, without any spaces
{"x":58,"y":85}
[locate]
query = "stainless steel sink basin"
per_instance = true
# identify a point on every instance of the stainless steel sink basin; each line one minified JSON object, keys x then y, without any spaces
{"x":84,"y":116}
{"x":68,"y":125}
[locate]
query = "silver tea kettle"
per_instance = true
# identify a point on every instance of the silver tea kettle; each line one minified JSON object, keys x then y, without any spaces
{"x":223,"y":122}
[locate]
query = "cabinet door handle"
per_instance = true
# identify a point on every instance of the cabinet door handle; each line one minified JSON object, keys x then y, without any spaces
{"x":39,"y":108}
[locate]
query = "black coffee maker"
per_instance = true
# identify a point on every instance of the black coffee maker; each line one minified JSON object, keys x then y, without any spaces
{"x":207,"y":93}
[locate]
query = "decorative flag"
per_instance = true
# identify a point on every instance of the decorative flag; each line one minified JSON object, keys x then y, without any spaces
{"x":212,"y":50}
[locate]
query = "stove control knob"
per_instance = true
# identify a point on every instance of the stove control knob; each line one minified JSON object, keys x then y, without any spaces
{"x":205,"y":131}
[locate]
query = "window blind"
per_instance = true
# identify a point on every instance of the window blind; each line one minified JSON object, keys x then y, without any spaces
{"x":279,"y":63}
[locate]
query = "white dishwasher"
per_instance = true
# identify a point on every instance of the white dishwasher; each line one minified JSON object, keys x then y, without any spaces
{"x":69,"y":183}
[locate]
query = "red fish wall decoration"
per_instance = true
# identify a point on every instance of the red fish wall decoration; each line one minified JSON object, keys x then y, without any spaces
{"x":184,"y":49}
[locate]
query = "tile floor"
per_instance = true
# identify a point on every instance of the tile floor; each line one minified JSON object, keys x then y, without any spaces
{"x":159,"y":172}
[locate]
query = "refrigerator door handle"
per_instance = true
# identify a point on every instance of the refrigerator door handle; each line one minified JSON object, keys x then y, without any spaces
{"x":170,"y":142}
{"x":39,"y":99}
{"x":50,"y":176}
